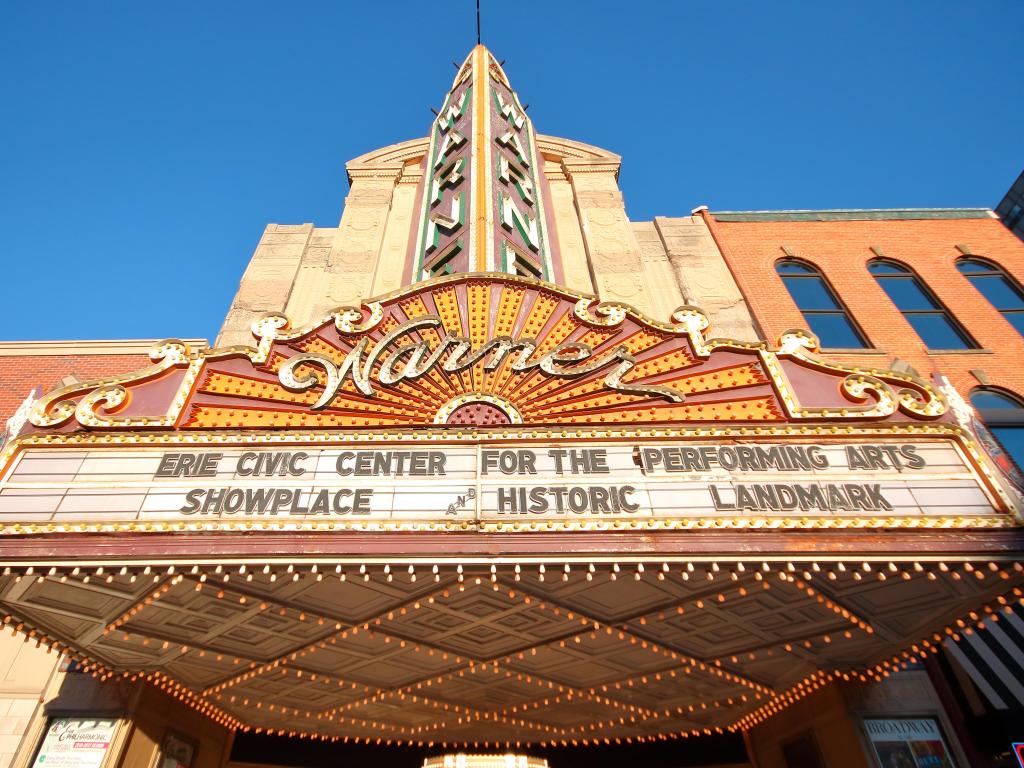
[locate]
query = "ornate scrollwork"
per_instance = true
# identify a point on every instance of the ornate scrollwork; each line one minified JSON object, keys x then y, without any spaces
{"x":888,"y":390}
{"x":601,"y":313}
{"x":309,"y":380}
{"x":90,"y":408}
{"x":926,"y":402}
{"x":54,"y":409}
{"x":691,"y":319}
{"x":267,"y":329}
{"x":859,"y":387}
{"x":92,"y":404}
{"x":171,"y":352}
{"x":349,"y":320}
{"x":693,"y":322}
{"x":797,"y":341}
{"x":833,"y":391}
{"x":81,"y":401}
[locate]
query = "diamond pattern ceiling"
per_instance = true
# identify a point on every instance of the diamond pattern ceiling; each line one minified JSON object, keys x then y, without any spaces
{"x":495,"y":654}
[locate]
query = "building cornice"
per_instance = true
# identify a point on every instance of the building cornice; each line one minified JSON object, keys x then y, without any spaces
{"x":93,"y":347}
{"x":580,"y":165}
{"x":394,"y":156}
{"x":855,"y":214}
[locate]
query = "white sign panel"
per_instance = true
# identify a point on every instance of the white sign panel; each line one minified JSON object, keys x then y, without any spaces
{"x":556,"y":481}
{"x":75,"y":743}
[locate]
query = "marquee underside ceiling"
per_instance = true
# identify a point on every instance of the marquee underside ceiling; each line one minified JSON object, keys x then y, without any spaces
{"x":481,"y":654}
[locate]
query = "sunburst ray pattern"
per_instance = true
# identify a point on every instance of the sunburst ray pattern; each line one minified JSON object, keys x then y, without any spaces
{"x":487,"y":350}
{"x":730,"y":386}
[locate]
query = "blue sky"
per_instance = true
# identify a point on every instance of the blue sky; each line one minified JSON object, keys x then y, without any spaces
{"x":144,"y":146}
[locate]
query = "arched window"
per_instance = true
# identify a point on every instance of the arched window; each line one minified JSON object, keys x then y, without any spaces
{"x":1001,"y":290}
{"x":1003,"y":414}
{"x":824,"y":314}
{"x":932,"y":321}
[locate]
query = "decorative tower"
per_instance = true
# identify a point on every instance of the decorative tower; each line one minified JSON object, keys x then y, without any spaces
{"x":484,"y":193}
{"x":482,"y":198}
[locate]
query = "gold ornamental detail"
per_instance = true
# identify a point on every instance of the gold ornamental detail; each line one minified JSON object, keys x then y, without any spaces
{"x":551,"y":356}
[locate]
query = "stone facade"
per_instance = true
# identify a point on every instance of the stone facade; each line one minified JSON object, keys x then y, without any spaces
{"x":571,"y":196}
{"x":24,"y":673}
{"x":657,"y":266}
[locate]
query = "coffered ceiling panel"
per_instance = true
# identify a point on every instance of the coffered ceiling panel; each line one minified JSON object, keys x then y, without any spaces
{"x":477,"y":653}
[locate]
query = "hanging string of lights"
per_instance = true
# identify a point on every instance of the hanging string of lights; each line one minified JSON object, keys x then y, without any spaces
{"x":510,"y":581}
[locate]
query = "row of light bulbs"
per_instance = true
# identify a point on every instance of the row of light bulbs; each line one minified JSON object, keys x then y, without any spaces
{"x":927,"y":646}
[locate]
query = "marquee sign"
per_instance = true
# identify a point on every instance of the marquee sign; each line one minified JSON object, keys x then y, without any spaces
{"x":401,"y":413}
{"x":454,"y":354}
{"x":676,"y":483}
{"x":487,"y":350}
{"x":482,"y":208}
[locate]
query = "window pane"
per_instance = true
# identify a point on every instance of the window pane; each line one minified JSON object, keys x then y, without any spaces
{"x":835,"y":331}
{"x":810,"y":293}
{"x":885,"y":268}
{"x":906,"y":294}
{"x":937,"y":331}
{"x":1016,"y":319}
{"x":985,"y":399}
{"x":972,"y":267}
{"x":1012,"y":440}
{"x":793,"y":268}
{"x":1013,"y":216}
{"x":998,"y":291}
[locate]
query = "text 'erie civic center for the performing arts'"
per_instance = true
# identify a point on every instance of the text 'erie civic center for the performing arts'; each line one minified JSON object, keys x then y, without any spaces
{"x":489,"y":474}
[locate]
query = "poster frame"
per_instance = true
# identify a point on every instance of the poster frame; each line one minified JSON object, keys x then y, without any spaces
{"x":115,"y":737}
{"x":951,"y":747}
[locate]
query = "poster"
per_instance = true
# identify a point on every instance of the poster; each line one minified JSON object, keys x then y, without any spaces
{"x":75,"y":742}
{"x":908,"y":743}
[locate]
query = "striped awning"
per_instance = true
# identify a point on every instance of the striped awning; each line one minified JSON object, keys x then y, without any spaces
{"x":994,"y":658}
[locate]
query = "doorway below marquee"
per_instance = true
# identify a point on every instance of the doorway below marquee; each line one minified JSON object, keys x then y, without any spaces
{"x":724,"y":751}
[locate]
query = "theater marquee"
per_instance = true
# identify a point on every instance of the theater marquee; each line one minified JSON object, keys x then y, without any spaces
{"x":673,"y":482}
{"x":491,"y":403}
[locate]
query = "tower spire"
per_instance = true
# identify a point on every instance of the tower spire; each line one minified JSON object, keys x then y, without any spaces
{"x":482,"y":202}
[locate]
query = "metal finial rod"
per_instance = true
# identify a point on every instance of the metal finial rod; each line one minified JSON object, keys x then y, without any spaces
{"x":478,"y":22}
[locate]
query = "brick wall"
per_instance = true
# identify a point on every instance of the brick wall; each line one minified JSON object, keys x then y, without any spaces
{"x":842,"y":249}
{"x":19,"y":374}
